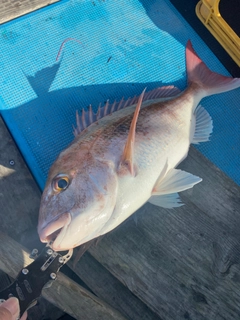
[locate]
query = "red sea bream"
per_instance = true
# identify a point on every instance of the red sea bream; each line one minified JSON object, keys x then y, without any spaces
{"x":126,"y":155}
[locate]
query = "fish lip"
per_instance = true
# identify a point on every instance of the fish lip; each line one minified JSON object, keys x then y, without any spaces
{"x":56,"y":225}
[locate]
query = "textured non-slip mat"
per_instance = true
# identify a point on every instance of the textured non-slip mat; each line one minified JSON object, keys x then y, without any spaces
{"x":126,"y":45}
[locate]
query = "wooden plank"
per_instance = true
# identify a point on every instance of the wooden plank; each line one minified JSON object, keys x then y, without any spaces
{"x":19,"y":205}
{"x":11,"y":9}
{"x":64,"y":293}
{"x":183,"y":263}
{"x":109,"y":289}
{"x":217,"y":194}
{"x":19,"y":194}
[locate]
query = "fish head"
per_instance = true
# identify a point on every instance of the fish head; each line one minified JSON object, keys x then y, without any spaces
{"x":78,"y":200}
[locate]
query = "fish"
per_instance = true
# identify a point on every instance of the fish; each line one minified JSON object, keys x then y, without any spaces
{"x":125,"y":155}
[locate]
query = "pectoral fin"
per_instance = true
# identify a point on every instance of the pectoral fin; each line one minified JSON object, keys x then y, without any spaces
{"x":204,"y":125}
{"x":126,"y":163}
{"x":164,"y":193}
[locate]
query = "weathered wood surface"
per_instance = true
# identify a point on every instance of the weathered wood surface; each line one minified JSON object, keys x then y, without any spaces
{"x":109,"y":289}
{"x":173,"y":264}
{"x":19,"y":205}
{"x":19,"y":194}
{"x":11,"y":9}
{"x":64,"y":293}
{"x":183,"y":263}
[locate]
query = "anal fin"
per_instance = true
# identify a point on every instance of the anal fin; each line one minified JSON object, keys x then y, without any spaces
{"x":165,"y":191}
{"x":166,"y":201}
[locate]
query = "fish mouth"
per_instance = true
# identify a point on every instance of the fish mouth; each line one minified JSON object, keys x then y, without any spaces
{"x":55,"y":229}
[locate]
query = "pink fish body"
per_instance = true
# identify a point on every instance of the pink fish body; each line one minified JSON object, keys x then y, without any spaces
{"x":120,"y":159}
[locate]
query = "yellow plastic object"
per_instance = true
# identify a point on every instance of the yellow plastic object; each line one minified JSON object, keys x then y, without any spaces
{"x":208,"y":12}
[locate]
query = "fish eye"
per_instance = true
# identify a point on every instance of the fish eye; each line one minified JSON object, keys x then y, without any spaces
{"x":61,"y":183}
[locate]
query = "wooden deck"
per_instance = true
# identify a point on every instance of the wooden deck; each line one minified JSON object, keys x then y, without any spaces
{"x":11,"y":9}
{"x":164,"y":264}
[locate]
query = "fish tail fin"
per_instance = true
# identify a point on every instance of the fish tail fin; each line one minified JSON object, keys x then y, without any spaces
{"x":209,"y":81}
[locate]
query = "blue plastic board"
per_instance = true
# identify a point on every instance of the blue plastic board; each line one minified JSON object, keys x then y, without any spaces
{"x":126,"y":45}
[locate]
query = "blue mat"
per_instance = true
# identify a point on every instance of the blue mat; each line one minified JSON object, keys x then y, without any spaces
{"x":126,"y":46}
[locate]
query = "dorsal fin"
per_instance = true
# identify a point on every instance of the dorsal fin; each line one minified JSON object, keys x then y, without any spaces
{"x":88,"y":117}
{"x":126,"y":162}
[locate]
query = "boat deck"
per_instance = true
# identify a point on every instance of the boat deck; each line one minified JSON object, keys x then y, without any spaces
{"x":160,"y":264}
